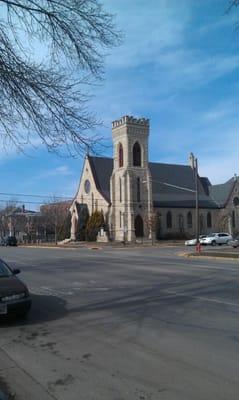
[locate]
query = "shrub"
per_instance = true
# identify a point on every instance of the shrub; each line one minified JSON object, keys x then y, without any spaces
{"x":83,"y":217}
{"x":95,"y":222}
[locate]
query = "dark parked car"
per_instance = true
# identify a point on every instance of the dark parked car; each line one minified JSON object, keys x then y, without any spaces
{"x":14,"y":295}
{"x":234,"y":242}
{"x":9,"y":241}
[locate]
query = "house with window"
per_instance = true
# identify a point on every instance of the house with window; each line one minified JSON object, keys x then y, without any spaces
{"x":140,"y":198}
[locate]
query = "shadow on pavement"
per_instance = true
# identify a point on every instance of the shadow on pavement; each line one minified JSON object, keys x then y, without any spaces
{"x":44,"y":308}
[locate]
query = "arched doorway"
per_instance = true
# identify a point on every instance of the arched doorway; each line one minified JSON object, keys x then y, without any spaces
{"x":139,"y":226}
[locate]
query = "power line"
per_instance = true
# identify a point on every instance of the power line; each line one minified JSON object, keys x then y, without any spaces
{"x":35,"y":195}
{"x":26,"y":202}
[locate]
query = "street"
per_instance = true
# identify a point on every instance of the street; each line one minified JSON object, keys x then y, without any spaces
{"x":123,"y":324}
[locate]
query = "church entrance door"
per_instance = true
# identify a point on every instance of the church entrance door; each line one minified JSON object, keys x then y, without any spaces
{"x":139,"y":226}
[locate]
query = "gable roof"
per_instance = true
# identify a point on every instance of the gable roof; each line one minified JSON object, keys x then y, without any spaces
{"x":102,"y":168}
{"x":182,"y":176}
{"x":163,"y":175}
{"x":221,"y":193}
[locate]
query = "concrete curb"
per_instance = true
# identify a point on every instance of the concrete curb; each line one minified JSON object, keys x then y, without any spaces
{"x":61,"y":247}
{"x":207,"y":256}
{"x":126,"y":247}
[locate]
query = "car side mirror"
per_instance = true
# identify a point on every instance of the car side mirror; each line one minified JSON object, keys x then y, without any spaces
{"x":16,"y":271}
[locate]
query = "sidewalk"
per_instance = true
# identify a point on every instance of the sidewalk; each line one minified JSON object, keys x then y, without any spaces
{"x":97,"y":245}
{"x":18,"y":384}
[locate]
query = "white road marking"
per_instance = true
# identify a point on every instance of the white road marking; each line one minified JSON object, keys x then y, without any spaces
{"x":48,"y":291}
{"x":212,"y":300}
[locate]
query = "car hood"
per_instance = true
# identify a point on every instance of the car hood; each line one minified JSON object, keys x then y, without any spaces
{"x":11,"y":285}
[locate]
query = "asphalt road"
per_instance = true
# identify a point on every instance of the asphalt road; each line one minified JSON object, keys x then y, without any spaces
{"x":123,"y":324}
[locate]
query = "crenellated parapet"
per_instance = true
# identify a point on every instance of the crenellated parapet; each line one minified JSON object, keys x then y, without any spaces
{"x":130,"y":120}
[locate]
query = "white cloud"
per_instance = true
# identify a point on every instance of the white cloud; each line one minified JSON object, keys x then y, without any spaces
{"x":222,"y":111}
{"x":62,"y":170}
{"x":148,"y":29}
{"x":48,"y":175}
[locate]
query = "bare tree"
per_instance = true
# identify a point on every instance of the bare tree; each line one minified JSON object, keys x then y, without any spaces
{"x":8,"y":222}
{"x":48,"y":99}
{"x":55,"y":216}
{"x":153,"y":224}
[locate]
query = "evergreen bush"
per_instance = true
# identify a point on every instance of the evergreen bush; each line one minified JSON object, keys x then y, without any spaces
{"x":95,"y":222}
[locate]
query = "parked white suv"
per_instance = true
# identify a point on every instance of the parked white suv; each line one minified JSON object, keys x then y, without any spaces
{"x":216,"y":238}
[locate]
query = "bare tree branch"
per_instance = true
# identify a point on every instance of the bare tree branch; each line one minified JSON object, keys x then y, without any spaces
{"x":46,"y":98}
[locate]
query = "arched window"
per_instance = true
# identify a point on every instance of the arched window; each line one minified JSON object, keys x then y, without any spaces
{"x":209,"y":220}
{"x":236,"y":201}
{"x":158,"y":226}
{"x":138,"y":190}
{"x":189,"y":220}
{"x":120,"y":189}
{"x":169,"y":219}
{"x":121,"y":155}
{"x":233,"y":219}
{"x":137,"y":155}
{"x":201,"y":224}
{"x":92,"y":202}
{"x":181,"y":223}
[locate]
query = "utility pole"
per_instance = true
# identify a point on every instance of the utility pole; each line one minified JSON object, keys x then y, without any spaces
{"x":196,"y":200}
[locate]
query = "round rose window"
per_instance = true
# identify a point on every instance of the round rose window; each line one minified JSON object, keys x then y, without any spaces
{"x":87,"y":186}
{"x":236,"y":201}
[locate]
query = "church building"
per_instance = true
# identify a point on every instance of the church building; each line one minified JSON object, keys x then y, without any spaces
{"x":140,"y":198}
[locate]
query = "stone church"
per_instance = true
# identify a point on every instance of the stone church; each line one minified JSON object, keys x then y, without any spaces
{"x":140,"y":198}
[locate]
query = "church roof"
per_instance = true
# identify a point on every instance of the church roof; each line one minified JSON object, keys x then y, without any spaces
{"x":182,"y":176}
{"x":221,"y":193}
{"x":102,"y":168}
{"x":163,"y":175}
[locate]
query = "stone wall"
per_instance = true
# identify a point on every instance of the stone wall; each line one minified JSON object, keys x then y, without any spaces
{"x":180,"y":227}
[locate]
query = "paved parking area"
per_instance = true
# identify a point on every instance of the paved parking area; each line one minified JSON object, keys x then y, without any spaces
{"x":123,"y":324}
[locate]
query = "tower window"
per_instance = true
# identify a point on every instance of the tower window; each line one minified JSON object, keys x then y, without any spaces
{"x":137,"y":155}
{"x":138,"y":190}
{"x":121,"y":156}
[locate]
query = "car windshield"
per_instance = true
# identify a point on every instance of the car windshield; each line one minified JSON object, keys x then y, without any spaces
{"x":4,"y":270}
{"x":212,"y":235}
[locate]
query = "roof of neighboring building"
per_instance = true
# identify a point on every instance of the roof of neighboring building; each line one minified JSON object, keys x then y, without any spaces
{"x":20,"y":211}
{"x":221,"y":193}
{"x":163,"y":175}
{"x":65,"y":203}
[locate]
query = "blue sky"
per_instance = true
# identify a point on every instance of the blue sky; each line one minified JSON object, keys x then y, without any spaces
{"x":178,"y":65}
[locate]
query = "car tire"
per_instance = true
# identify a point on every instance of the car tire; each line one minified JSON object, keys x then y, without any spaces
{"x":214,"y":243}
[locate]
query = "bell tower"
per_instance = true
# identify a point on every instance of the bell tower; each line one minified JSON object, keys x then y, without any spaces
{"x":131,"y":185}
